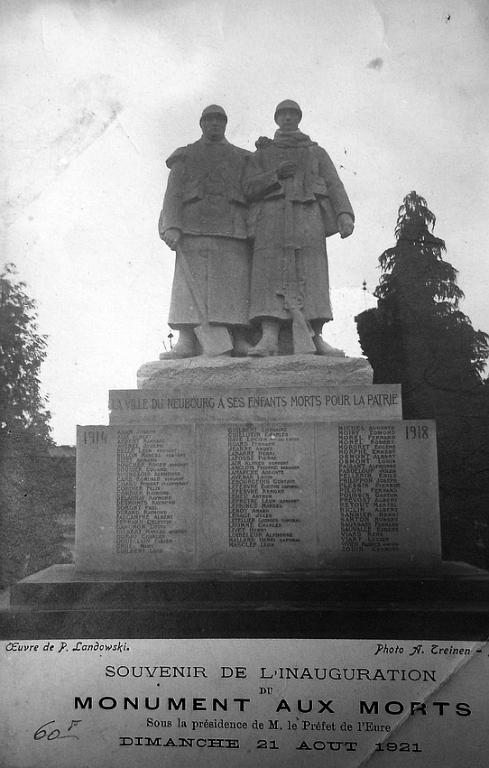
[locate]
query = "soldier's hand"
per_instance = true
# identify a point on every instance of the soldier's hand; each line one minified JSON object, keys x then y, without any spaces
{"x":345,"y":225}
{"x":171,"y":237}
{"x":286,"y":169}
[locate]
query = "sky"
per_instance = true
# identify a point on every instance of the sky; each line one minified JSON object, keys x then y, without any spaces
{"x":97,"y":94}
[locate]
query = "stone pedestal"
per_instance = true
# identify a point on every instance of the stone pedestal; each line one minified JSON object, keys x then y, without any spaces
{"x":225,"y":500}
{"x":450,"y":601}
{"x":287,"y":370}
{"x":282,"y":464}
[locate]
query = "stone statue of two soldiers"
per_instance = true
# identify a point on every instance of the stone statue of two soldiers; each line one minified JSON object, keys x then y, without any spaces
{"x":250,"y":234}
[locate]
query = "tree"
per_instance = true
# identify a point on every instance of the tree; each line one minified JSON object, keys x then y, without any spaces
{"x":417,"y":336}
{"x":30,"y":536}
{"x":22,"y":351}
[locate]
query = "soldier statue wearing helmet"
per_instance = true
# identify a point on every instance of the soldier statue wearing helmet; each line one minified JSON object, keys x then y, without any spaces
{"x":204,"y":220}
{"x":297,"y":200}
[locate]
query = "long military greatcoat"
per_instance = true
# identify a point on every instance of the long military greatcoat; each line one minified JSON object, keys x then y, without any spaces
{"x":290,"y":220}
{"x":204,"y":199}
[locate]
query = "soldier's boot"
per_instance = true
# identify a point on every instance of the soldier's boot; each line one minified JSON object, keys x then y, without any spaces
{"x":322,"y":347}
{"x":241,"y":345}
{"x":268,"y":344}
{"x":186,"y":346}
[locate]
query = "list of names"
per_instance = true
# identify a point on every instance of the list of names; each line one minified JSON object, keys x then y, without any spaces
{"x":368,"y":488}
{"x":152,"y":478}
{"x":264,"y":485}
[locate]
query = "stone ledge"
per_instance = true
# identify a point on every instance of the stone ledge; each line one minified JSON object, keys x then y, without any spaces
{"x":286,"y":370}
{"x":451,"y":603}
{"x":62,"y":587}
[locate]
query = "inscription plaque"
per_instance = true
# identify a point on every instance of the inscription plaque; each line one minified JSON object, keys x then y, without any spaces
{"x":264,"y":493}
{"x":378,"y":492}
{"x":272,"y":496}
{"x":209,"y":405}
{"x":151,"y":471}
{"x":135,"y":498}
{"x":264,"y":504}
{"x":368,"y":488}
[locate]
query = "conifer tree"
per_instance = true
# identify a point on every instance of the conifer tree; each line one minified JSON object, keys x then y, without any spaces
{"x":418,"y":337}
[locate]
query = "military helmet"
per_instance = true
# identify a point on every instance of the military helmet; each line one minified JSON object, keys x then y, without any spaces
{"x":213,"y":109}
{"x":287,"y":104}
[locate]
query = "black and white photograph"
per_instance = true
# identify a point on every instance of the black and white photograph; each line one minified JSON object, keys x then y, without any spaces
{"x":244,"y":383}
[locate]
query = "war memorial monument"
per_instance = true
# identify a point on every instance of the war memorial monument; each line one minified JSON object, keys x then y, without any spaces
{"x":255,"y":465}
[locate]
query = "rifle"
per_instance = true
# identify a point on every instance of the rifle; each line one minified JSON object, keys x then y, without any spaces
{"x":292,"y":292}
{"x":214,"y":339}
